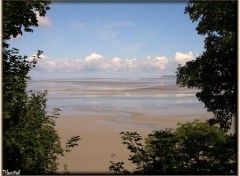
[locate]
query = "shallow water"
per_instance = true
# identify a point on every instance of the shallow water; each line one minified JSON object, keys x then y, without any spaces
{"x":96,"y":96}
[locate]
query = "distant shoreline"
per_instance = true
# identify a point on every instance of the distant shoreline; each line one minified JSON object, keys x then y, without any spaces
{"x":171,"y":76}
{"x":100,"y":78}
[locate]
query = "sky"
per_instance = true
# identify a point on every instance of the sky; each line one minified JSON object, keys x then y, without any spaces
{"x":112,"y":39}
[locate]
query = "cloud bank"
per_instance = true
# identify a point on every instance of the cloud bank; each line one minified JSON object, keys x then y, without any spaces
{"x":97,"y":62}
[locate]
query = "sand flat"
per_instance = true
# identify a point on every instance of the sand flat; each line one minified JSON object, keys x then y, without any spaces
{"x":99,"y":109}
{"x":123,"y":90}
{"x":100,"y":140}
{"x":100,"y":143}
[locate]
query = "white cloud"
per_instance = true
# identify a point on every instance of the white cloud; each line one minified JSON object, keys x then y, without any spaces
{"x":116,"y":62}
{"x":41,"y":57}
{"x":93,"y":57}
{"x":182,"y":58}
{"x":160,"y":62}
{"x":43,"y":21}
{"x":97,"y":62}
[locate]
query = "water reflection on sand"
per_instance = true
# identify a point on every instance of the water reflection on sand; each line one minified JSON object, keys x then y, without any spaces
{"x":148,"y":97}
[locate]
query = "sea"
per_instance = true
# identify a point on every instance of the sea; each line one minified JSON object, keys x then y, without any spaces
{"x":124,"y":97}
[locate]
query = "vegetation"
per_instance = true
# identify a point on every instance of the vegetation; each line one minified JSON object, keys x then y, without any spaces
{"x":198,"y":147}
{"x":193,"y":148}
{"x":30,"y":142}
{"x":20,"y":16}
{"x":214,"y":72}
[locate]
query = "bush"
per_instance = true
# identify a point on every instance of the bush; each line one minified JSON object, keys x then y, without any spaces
{"x":193,"y":148}
{"x":32,"y":145}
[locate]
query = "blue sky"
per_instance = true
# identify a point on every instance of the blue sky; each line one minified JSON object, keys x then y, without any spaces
{"x":148,"y":34}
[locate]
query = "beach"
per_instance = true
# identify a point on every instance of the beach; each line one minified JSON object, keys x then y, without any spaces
{"x":99,"y":109}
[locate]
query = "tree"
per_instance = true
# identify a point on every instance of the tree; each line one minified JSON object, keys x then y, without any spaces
{"x":193,"y":148}
{"x":199,"y":147}
{"x":17,"y":16}
{"x":204,"y":149}
{"x":21,"y":15}
{"x":30,"y":142}
{"x":214,"y":72}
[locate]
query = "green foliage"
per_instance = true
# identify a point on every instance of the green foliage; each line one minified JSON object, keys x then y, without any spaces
{"x":17,"y":16}
{"x":214,"y":72}
{"x":30,"y":142}
{"x":118,"y":168}
{"x":15,"y":70}
{"x":21,"y":15}
{"x":197,"y":147}
{"x":72,"y":143}
{"x":194,"y":148}
{"x":161,"y":150}
{"x":203,"y":149}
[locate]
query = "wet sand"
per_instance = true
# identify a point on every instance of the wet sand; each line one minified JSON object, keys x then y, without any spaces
{"x":100,"y":140}
{"x":99,"y":109}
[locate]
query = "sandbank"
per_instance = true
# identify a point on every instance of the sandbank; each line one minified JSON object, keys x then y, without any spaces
{"x":100,"y":139}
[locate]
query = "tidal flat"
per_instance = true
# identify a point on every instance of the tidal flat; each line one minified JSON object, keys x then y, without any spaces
{"x":98,"y":109}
